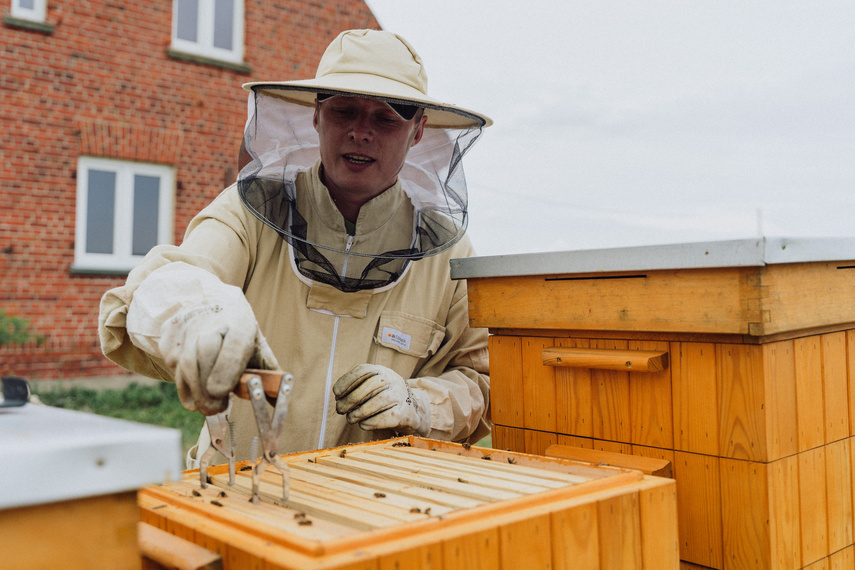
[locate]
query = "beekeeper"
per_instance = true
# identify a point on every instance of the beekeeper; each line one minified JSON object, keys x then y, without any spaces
{"x":329,"y":258}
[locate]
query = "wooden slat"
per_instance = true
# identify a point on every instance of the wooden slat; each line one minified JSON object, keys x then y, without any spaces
{"x":651,"y":418}
{"x":475,"y":551}
{"x":458,"y":472}
{"x":546,"y":478}
{"x":660,"y":546}
{"x":506,"y":384}
{"x":606,"y":359}
{"x":611,"y":446}
{"x":839,"y":495}
{"x":850,"y":367}
{"x":466,"y":465}
{"x":745,"y":514}
{"x":573,"y":441}
{"x":809,"y":392}
{"x":385,"y":485}
{"x":526,"y":544}
{"x":620,"y":535}
{"x":175,"y":553}
{"x":464,"y":489}
{"x":576,"y":538}
{"x":573,"y":395}
{"x":312,"y":505}
{"x":834,"y":384}
{"x":610,"y":391}
{"x":648,"y":466}
{"x":742,"y":400}
{"x":780,"y":378}
{"x":843,"y":559}
{"x":536,"y":442}
{"x":509,"y":438}
{"x":699,"y":503}
{"x":418,"y":556}
{"x":367,"y":492}
{"x":785,"y":512}
{"x":407,"y":511}
{"x":695,"y":398}
{"x":812,"y":494}
{"x":538,"y":386}
{"x":242,"y":512}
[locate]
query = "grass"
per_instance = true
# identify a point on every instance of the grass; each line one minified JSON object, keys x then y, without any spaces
{"x":157,"y":404}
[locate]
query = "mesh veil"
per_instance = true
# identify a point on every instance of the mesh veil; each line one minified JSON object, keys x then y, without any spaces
{"x":280,"y":141}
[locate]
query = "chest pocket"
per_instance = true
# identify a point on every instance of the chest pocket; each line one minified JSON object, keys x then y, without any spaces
{"x":402,"y":340}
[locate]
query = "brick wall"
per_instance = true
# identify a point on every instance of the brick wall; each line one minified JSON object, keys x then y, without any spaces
{"x":101,"y":83}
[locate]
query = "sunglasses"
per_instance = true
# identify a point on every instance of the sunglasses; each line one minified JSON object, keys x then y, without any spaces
{"x":406,"y":112}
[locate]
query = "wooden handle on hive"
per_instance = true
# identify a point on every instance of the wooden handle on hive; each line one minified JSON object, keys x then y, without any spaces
{"x":606,"y":359}
{"x":270,"y":379}
{"x":159,"y":549}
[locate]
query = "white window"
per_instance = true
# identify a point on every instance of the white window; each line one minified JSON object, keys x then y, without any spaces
{"x":123,"y":210}
{"x":34,"y":10}
{"x":209,"y":28}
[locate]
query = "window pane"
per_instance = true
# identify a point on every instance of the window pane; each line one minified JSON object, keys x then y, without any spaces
{"x":146,"y":201}
{"x":100,"y":206}
{"x":224,"y":21}
{"x":188,"y":16}
{"x":27,"y":4}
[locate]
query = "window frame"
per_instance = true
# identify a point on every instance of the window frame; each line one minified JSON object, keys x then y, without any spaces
{"x":38,"y":13}
{"x":204,"y":44}
{"x":122,"y":259}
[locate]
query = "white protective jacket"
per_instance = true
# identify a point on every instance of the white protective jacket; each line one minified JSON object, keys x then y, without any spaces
{"x":318,"y":332}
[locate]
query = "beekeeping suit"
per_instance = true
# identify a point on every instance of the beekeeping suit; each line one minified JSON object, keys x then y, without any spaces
{"x":362,"y":312}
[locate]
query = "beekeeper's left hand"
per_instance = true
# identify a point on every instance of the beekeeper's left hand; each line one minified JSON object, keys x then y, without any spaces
{"x":376,"y":397}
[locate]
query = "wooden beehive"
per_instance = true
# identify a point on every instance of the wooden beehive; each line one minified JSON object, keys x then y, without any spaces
{"x":733,"y":360}
{"x":414,"y":503}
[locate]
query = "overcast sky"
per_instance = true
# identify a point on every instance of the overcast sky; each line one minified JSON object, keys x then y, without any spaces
{"x":635,"y":123}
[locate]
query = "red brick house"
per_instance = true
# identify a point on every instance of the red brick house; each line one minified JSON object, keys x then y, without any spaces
{"x":120,"y":121}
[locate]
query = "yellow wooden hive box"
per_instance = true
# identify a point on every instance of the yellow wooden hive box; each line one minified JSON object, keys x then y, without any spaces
{"x":413,"y":503}
{"x":735,"y":361}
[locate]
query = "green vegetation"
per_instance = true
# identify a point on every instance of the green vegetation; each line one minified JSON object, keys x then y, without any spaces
{"x":157,"y":405}
{"x":15,"y":330}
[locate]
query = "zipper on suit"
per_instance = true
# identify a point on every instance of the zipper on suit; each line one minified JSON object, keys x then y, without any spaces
{"x":329,"y":379}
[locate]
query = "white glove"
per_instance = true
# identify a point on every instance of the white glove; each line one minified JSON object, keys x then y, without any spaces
{"x":208,"y":346}
{"x":376,"y":397}
{"x":203,"y":329}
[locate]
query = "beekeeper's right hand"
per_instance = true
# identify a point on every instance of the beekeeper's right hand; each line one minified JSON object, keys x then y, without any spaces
{"x":204,"y":331}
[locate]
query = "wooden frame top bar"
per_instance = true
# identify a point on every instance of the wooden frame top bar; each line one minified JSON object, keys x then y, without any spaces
{"x":755,"y":252}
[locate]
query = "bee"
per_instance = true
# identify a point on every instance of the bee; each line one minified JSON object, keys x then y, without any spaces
{"x":196,"y":493}
{"x":304,"y":522}
{"x":511,"y":460}
{"x":380,"y":495}
{"x":222,"y":494}
{"x":461,"y":480}
{"x":343,"y":453}
{"x":246,"y":468}
{"x":466,"y":446}
{"x":217,"y":503}
{"x":487,"y":457}
{"x":415,"y":510}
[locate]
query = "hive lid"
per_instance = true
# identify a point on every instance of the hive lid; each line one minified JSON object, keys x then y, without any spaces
{"x":50,"y":454}
{"x":731,"y":253}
